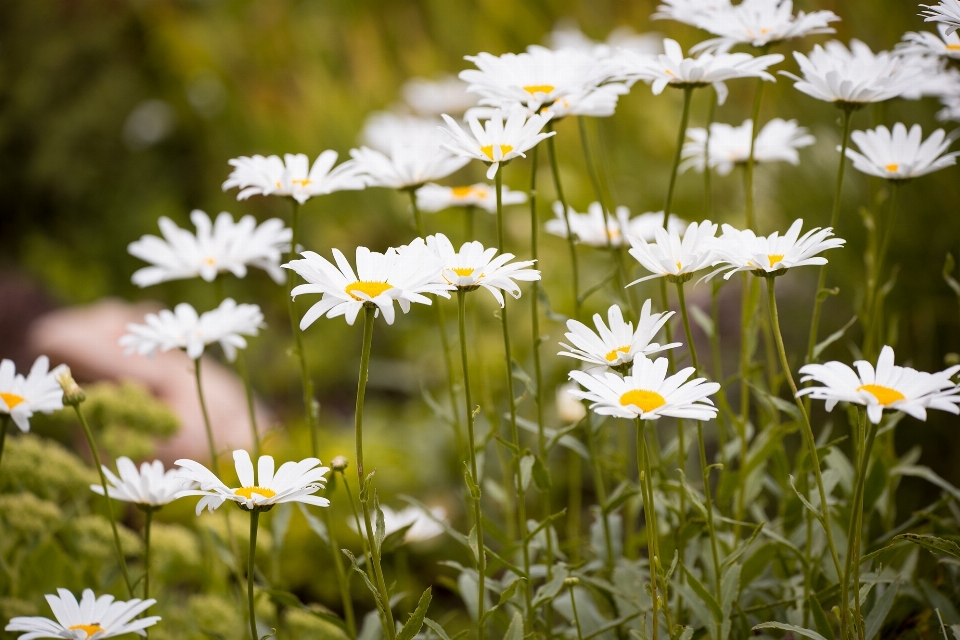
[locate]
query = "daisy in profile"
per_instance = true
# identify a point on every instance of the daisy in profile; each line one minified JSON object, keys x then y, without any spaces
{"x":183,"y":328}
{"x":403,"y":275}
{"x":473,"y":266}
{"x":421,"y":525}
{"x":567,"y":35}
{"x":292,"y":176}
{"x":778,"y":141}
{"x":761,"y":23}
{"x":148,"y":487}
{"x":21,"y":397}
{"x":951,"y":109}
{"x":901,"y":154}
{"x":570,"y":410}
{"x":617,"y":344}
{"x":90,"y":619}
{"x":292,"y":482}
{"x":851,"y":77}
{"x":945,"y":12}
{"x":433,"y":97}
{"x":223,"y":246}
{"x":495,"y":141}
{"x":772,"y":255}
{"x":647,"y":393}
{"x":434,"y":197}
{"x":924,"y":43}
{"x":692,"y":12}
{"x":594,"y":229}
{"x":403,"y":152}
{"x":675,"y":258}
{"x":886,"y":387}
{"x":672,"y":69}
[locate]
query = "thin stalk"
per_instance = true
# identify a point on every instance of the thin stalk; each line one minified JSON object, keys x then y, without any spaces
{"x":471,"y":444}
{"x":646,"y":495}
{"x":746,"y":319}
{"x":148,"y":520}
{"x":369,"y":312}
{"x":342,"y":581}
{"x":251,"y":569}
{"x":707,"y":172}
{"x":206,"y":420}
{"x":873,"y":304}
{"x":106,"y":495}
{"x":807,"y":429}
{"x":599,"y":486}
{"x":834,"y":219}
{"x":359,"y":525}
{"x":251,"y":409}
{"x":4,"y":424}
{"x":571,"y":239}
{"x":305,"y":380}
{"x":684,"y":119}
{"x":576,"y":616}
{"x":718,"y":369}
{"x":751,"y":159}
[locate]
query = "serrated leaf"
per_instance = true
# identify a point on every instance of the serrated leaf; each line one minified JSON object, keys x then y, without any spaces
{"x":806,"y":633}
{"x":932,"y":543}
{"x":415,"y":623}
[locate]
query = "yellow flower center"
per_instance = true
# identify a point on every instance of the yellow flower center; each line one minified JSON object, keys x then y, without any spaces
{"x":247,"y":492}
{"x":372,"y":289}
{"x":679,"y":266}
{"x":463,"y":272}
{"x":646,"y":400}
{"x":488,"y":150}
{"x":669,"y":73}
{"x":462,"y":193}
{"x":774,"y":258}
{"x":953,"y":47}
{"x":892,"y":168}
{"x":884,"y":395}
{"x":303,"y":182}
{"x":538,"y":88}
{"x":89,"y":629}
{"x":11,"y":399}
{"x":210,"y":261}
{"x":613,"y":355}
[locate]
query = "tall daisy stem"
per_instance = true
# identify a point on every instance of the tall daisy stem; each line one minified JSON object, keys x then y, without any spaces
{"x":306,"y":382}
{"x":251,"y":569}
{"x":571,"y":239}
{"x":811,"y":441}
{"x":206,"y":419}
{"x":684,"y":119}
{"x":573,"y":605}
{"x":649,"y":516}
{"x":346,"y":600}
{"x":148,"y":520}
{"x":474,"y":488}
{"x":369,"y":313}
{"x":751,"y":159}
{"x":874,"y":304}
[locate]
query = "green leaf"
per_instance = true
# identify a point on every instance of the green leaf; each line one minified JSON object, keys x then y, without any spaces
{"x":380,"y":528}
{"x":621,"y":494}
{"x":805,"y":502}
{"x":526,"y":470}
{"x":395,"y":539}
{"x":806,"y":633}
{"x":541,"y":477}
{"x":704,"y":595}
{"x":927,"y":474}
{"x":437,"y":629}
{"x":504,"y":596}
{"x":415,"y":623}
{"x":549,"y":591}
{"x":316,"y":524}
{"x":880,"y":610}
{"x":704,"y":321}
{"x":272,"y":633}
{"x":932,"y":543}
{"x":366,"y":579}
{"x":948,"y":265}
{"x":820,"y":618}
{"x":515,"y":630}
{"x":833,"y":337}
{"x":291,"y":601}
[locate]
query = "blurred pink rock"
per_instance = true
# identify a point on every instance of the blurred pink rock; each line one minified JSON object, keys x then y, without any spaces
{"x":85,"y":338}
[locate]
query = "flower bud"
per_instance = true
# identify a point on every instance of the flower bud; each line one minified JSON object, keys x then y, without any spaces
{"x":72,"y":393}
{"x":572,"y":581}
{"x":339,"y":464}
{"x":569,"y":408}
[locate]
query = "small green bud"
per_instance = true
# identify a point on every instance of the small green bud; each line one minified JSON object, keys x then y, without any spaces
{"x":572,"y":581}
{"x":339,"y":464}
{"x":73,"y":395}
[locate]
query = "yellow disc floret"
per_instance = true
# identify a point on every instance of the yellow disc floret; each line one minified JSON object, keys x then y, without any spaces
{"x":247,"y":492}
{"x":892,"y":168}
{"x":488,"y":150}
{"x":774,"y":258}
{"x":89,"y":629}
{"x":11,"y":399}
{"x":538,"y":88}
{"x":613,"y":355}
{"x":372,"y":289}
{"x":884,"y":395}
{"x":647,"y":400}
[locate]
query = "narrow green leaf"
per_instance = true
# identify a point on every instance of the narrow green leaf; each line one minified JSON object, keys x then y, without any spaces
{"x":880,"y":610}
{"x":820,"y":618}
{"x":515,"y":630}
{"x":366,"y":578}
{"x":316,"y":524}
{"x":704,"y":595}
{"x":833,"y":337}
{"x":380,"y":528}
{"x":541,"y":477}
{"x":948,"y":265}
{"x":805,"y":502}
{"x":927,"y":474}
{"x":415,"y":623}
{"x":806,"y":633}
{"x":437,"y":629}
{"x":526,"y":470}
{"x":932,"y":543}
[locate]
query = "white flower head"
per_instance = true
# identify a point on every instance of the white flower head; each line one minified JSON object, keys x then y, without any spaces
{"x":594,"y":229}
{"x":423,"y":525}
{"x":945,"y":12}
{"x":92,"y":618}
{"x":184,"y":329}
{"x":433,"y":97}
{"x":745,"y":251}
{"x":401,"y":275}
{"x":149,"y":486}
{"x":854,"y":76}
{"x":673,"y":69}
{"x":924,"y":43}
{"x":901,"y":154}
{"x":692,"y":12}
{"x":671,"y":256}
{"x":596,"y":102}
{"x":885,"y":387}
{"x":473,"y":266}
{"x":39,"y":391}
{"x":292,"y":482}
{"x":292,"y":176}
{"x":648,"y":393}
{"x":223,"y":246}
{"x":404,"y":152}
{"x":434,"y":197}
{"x":617,"y":344}
{"x":761,"y":23}
{"x":567,"y":35}
{"x":569,"y":409}
{"x":777,"y":141}
{"x":951,"y":109}
{"x":496,"y":141}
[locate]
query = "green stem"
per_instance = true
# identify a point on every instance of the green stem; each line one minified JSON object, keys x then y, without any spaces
{"x":599,"y":486}
{"x":342,"y":581}
{"x":148,"y":520}
{"x":684,"y":119}
{"x":214,"y":464}
{"x":369,"y":313}
{"x":571,"y":239}
{"x":834,"y":219}
{"x":751,"y":159}
{"x":306,"y":382}
{"x":359,"y":525}
{"x":874,"y":304}
{"x":576,"y":616}
{"x":4,"y":424}
{"x":251,"y":569}
{"x":251,"y":408}
{"x":475,"y":487}
{"x":649,"y":511}
{"x":707,"y":171}
{"x":106,"y":495}
{"x":805,"y":423}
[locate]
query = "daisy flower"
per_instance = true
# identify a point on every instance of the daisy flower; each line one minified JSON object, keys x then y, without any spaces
{"x":946,"y":12}
{"x":473,"y":266}
{"x":496,"y":142}
{"x":184,"y":329}
{"x":761,"y":23}
{"x":673,"y":69}
{"x":593,"y":229}
{"x":901,"y":155}
{"x":149,"y":487}
{"x":692,"y":12}
{"x":434,"y":197}
{"x":596,"y":102}
{"x":292,"y":176}
{"x":219,"y":247}
{"x":924,"y":43}
{"x":669,"y":256}
{"x":423,"y":524}
{"x":951,"y":109}
{"x":617,"y":344}
{"x":772,"y":255}
{"x":854,"y":76}
{"x":90,"y":619}
{"x":292,"y":482}
{"x":567,"y":35}
{"x":570,"y":410}
{"x":404,"y":152}
{"x":886,"y":387}
{"x":647,"y":393}
{"x":403,"y":275}
{"x":21,"y":397}
{"x":777,"y":141}
{"x":433,"y":97}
